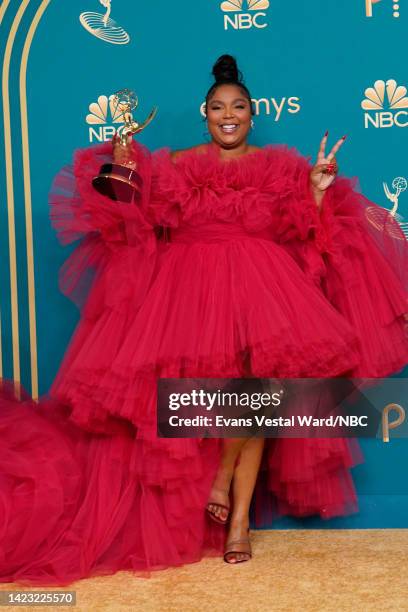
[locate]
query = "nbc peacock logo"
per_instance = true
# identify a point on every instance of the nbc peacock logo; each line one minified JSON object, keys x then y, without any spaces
{"x":103,"y":27}
{"x":102,"y":115}
{"x":242,"y":15}
{"x":386,"y":105}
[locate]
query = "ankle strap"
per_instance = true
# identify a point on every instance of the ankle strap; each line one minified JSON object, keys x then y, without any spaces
{"x":245,"y":541}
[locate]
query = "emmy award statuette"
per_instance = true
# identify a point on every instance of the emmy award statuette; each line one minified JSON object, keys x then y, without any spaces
{"x":122,"y":181}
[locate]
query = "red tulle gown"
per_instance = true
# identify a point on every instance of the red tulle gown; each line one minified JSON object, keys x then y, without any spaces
{"x":252,"y":282}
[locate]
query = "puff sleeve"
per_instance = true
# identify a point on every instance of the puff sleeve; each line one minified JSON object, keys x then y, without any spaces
{"x":355,"y":252}
{"x":116,"y":243}
{"x":167,"y":191}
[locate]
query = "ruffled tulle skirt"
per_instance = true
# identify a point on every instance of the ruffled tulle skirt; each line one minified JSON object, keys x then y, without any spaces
{"x":220,"y":306}
{"x":75,"y":504}
{"x":88,"y":488}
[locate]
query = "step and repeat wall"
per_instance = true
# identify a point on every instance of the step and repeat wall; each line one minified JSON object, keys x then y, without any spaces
{"x":310,"y":66}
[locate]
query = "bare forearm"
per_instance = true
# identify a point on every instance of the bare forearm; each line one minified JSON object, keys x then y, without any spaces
{"x":318,"y":195}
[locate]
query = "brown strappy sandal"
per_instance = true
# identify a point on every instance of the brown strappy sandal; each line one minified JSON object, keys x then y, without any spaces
{"x":231,"y":551}
{"x":213,"y":516}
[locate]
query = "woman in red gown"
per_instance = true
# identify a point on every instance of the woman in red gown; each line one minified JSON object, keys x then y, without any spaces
{"x":272,"y":269}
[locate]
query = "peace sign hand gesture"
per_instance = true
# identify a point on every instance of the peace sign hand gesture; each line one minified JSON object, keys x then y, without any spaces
{"x":324,"y":171}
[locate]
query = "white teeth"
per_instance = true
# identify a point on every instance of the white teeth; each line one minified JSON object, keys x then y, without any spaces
{"x":228,"y":127}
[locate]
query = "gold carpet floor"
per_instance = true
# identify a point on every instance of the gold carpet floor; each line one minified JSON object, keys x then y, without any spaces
{"x":291,"y":571}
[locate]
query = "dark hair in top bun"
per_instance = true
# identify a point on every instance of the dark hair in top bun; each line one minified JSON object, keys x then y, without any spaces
{"x":225,"y":70}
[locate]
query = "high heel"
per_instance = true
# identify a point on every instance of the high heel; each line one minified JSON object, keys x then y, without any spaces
{"x":217,"y":505}
{"x":213,"y":516}
{"x":231,"y":551}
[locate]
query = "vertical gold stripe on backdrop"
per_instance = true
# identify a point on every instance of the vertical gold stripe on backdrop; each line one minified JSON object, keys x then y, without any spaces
{"x":27,"y":197}
{"x":10,"y":189}
{"x":3,"y":9}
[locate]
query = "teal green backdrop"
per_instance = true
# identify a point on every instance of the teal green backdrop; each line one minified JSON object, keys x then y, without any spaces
{"x":310,"y":66}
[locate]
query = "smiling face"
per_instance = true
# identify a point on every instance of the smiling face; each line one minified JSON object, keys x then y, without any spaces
{"x":229,"y":116}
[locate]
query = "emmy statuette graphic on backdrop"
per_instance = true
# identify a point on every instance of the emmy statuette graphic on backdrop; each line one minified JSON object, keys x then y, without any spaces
{"x":103,"y":27}
{"x":122,"y":181}
{"x":394,"y":221}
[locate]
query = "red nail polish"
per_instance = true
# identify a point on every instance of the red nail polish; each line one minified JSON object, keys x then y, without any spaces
{"x":344,"y":137}
{"x":327,"y":131}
